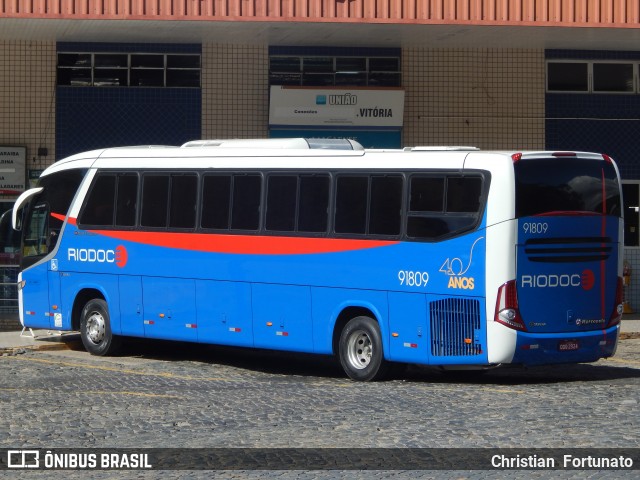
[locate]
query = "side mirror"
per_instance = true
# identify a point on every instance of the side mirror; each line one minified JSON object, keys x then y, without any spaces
{"x":16,"y":220}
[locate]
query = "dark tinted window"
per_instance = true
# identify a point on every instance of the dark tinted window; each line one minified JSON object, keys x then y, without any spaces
{"x":386,"y":204}
{"x":443,"y":206}
{"x":155,"y":200}
{"x":568,"y":77}
{"x":245,"y":212}
{"x":60,"y":188}
{"x":435,"y":227}
{"x":613,"y":77}
{"x":427,"y":194}
{"x":184,"y":194}
{"x":313,"y":203}
{"x":99,"y":207}
{"x":558,"y":185}
{"x":351,"y":204}
{"x":111,"y":193}
{"x":127,"y":200}
{"x":463,"y":194}
{"x":216,"y":195}
{"x":281,"y":203}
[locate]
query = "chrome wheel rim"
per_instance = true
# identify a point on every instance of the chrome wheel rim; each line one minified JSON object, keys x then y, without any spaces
{"x":359,"y":349}
{"x":96,"y":328}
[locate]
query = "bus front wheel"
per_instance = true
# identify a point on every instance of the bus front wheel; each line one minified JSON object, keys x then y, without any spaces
{"x":360,"y":350}
{"x":95,"y":329}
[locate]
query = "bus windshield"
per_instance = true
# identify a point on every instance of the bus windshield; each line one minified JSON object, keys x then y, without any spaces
{"x":46,"y":213}
{"x":566,"y":187}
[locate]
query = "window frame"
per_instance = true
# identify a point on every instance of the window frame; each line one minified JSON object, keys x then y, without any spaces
{"x":485,"y":185}
{"x":232,"y":174}
{"x":301,"y":76}
{"x":129,"y":69}
{"x":591,"y":77}
{"x":332,"y":176}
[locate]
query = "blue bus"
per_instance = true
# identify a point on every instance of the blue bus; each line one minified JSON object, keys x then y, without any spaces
{"x":451,"y":256}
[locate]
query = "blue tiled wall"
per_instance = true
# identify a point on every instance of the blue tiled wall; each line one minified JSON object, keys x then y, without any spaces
{"x":95,"y":117}
{"x":89,"y":118}
{"x":596,"y":122}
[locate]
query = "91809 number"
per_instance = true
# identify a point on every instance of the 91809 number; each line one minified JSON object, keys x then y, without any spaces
{"x":413,"y":278}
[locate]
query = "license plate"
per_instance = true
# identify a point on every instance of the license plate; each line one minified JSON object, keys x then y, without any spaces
{"x":568,"y":345}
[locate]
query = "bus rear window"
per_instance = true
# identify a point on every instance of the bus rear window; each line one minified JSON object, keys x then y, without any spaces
{"x":566,"y":186}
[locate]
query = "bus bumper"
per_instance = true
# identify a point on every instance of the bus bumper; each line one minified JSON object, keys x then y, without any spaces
{"x":574,"y":347}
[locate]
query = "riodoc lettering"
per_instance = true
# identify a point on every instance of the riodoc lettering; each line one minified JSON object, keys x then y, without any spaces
{"x":91,"y":255}
{"x":586,"y":280}
{"x":97,"y":255}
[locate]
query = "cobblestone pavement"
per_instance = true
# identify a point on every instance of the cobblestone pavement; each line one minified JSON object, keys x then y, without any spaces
{"x":158,"y":394}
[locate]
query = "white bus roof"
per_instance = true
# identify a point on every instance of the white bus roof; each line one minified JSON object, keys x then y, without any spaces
{"x":294,"y":153}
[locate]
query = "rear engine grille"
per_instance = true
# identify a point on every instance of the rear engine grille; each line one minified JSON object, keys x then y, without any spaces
{"x":455,"y":324}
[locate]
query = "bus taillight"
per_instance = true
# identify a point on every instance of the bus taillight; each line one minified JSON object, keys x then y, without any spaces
{"x":564,"y":154}
{"x":507,"y":312}
{"x":616,"y":314}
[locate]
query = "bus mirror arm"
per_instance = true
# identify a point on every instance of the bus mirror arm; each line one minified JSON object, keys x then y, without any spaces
{"x":20,"y":202}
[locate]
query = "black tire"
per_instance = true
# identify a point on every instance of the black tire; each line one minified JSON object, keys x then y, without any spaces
{"x":95,"y":329}
{"x":360,"y":350}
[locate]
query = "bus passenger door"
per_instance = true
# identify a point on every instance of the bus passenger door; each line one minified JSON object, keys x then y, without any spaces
{"x":169,"y":308}
{"x":36,"y":303}
{"x":282,"y":317}
{"x":39,"y":239}
{"x":409,"y":340}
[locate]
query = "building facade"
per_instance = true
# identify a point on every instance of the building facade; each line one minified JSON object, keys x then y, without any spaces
{"x":496,"y":74}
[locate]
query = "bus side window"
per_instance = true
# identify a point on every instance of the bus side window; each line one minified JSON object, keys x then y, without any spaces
{"x":216,"y":197}
{"x":184,"y":196}
{"x":426,"y":207}
{"x":351,"y":204}
{"x":313,"y":203}
{"x":111,"y":194}
{"x":245,"y":210}
{"x":155,"y":200}
{"x":282,"y":192}
{"x":99,"y":207}
{"x":464,"y":194}
{"x":443,"y":206}
{"x":127,"y":200}
{"x":369,"y":205}
{"x":385,"y":208}
{"x":298,"y":203}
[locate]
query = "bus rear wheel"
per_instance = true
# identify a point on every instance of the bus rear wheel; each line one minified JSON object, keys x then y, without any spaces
{"x":360,"y":350}
{"x":95,"y":329}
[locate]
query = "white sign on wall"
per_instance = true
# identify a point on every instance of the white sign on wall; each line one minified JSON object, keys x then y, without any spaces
{"x":13,"y":161}
{"x":336,"y":107}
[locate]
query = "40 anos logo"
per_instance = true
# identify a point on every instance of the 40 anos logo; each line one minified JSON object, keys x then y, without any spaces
{"x":586,"y":280}
{"x":456,"y":269}
{"x":118,"y":256}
